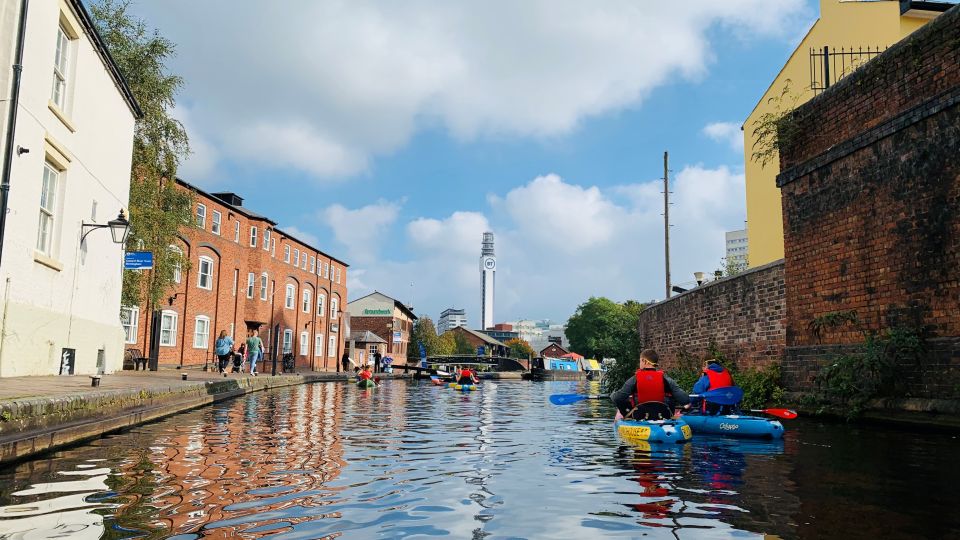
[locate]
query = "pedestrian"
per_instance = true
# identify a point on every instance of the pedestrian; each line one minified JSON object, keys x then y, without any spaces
{"x":345,"y":361}
{"x":224,"y":351}
{"x":254,"y":350}
{"x":650,"y":392}
{"x":377,"y":357}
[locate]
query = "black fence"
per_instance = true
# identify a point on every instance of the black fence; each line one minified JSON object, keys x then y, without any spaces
{"x":827,"y":66}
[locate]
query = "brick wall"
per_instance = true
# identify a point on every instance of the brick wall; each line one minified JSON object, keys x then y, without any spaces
{"x":743,"y":315}
{"x":871,"y":207}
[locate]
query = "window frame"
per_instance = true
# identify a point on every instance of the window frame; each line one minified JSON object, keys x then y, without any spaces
{"x":236,"y":231}
{"x":334,"y":307}
{"x":321,"y":304}
{"x":133,"y":326}
{"x":296,"y":257}
{"x":251,"y":281}
{"x":46,"y":237}
{"x":287,"y":342}
{"x":216,"y":218}
{"x":290,"y":297}
{"x":200,"y":260}
{"x":286,"y":254}
{"x":332,"y":346}
{"x":307,"y":300}
{"x":206,"y":337}
{"x":304,"y":343}
{"x":201,"y":216}
{"x":177,"y":267}
{"x":264,"y":283}
{"x":61,"y":61}
{"x":253,"y":236}
{"x":318,"y":345}
{"x":313,"y":264}
{"x":173,"y":316}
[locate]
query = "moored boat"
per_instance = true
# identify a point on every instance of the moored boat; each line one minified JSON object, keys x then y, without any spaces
{"x":652,"y":431}
{"x":734,"y":425}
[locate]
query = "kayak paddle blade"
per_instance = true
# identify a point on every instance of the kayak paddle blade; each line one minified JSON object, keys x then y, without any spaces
{"x":782,"y":413}
{"x":567,"y":399}
{"x":730,"y":395}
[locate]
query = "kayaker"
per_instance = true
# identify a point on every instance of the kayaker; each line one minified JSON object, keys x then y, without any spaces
{"x":714,"y":376}
{"x":648,"y":384}
{"x":467,"y":377}
{"x":364,"y":374}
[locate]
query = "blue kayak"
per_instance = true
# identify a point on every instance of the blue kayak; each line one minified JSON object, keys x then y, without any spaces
{"x":734,"y":425}
{"x":652,"y":431}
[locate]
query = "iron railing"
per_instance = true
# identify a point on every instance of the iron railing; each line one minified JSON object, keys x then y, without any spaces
{"x":827,"y":66}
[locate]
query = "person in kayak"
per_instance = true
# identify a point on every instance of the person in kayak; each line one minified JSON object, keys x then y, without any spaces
{"x":364,"y":374}
{"x":648,"y":384}
{"x":714,"y":376}
{"x":467,"y":376}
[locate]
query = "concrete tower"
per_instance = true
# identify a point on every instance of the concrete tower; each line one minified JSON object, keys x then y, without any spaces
{"x":488,"y":269}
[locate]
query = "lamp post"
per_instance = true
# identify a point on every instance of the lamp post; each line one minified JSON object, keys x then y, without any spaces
{"x":699,"y":277}
{"x":119,"y":228}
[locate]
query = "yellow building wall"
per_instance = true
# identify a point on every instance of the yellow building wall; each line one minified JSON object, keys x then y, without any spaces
{"x":842,"y":23}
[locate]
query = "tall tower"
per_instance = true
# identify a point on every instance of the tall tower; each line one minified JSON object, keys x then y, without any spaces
{"x":488,"y":270}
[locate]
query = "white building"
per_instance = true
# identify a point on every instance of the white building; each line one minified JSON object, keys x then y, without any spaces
{"x":451,"y":318}
{"x":488,"y":273}
{"x":737,"y":249}
{"x":69,"y":165}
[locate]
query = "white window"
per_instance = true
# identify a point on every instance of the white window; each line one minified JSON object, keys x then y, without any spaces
{"x":215,"y":224}
{"x":333,"y":272}
{"x":205,"y":277}
{"x":273,"y":247}
{"x":289,"y":299}
{"x":236,"y":231}
{"x":130,"y":319}
{"x":201,"y":216}
{"x":372,"y":349}
{"x":304,"y":343}
{"x":296,"y":257}
{"x":307,"y":301}
{"x":334,"y":307}
{"x":250,"y":281}
{"x":332,"y":347}
{"x":48,"y":204}
{"x":321,"y":298}
{"x":168,"y":329}
{"x":201,"y":333}
{"x":253,"y":236}
{"x":326,"y":270}
{"x":304,"y":260}
{"x":287,"y":340}
{"x":286,"y":254}
{"x":236,"y":277}
{"x":339,"y":270}
{"x":318,"y":345}
{"x":58,"y":94}
{"x":266,"y":239}
{"x":263,"y":286}
{"x":177,"y":270}
{"x":313,"y":264}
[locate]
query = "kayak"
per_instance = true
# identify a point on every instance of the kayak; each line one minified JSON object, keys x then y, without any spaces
{"x":646,"y":431}
{"x":366,"y":383}
{"x":463,"y":387}
{"x":734,"y":425}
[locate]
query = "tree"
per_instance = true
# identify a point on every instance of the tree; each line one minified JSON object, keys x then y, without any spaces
{"x":423,"y":332}
{"x":519,"y":348}
{"x":158,"y":209}
{"x":462,"y":345}
{"x":602,"y":328}
{"x":446,"y":344}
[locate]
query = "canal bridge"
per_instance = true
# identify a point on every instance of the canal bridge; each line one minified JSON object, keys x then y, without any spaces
{"x":434,"y":363}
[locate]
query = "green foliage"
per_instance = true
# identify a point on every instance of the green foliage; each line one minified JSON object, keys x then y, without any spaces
{"x":832,"y":321}
{"x":519,"y":348}
{"x":423,"y":332}
{"x":158,"y":210}
{"x":776,"y":129}
{"x":602,"y":328}
{"x":462,"y":345}
{"x":446,"y":344}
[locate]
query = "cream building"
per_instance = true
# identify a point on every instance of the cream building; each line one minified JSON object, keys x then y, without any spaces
{"x":843,"y":25}
{"x":69,"y":166}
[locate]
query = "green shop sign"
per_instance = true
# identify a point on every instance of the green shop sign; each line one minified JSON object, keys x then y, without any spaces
{"x":377,"y":312}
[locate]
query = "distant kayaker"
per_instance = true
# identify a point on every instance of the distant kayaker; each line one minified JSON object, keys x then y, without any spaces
{"x":364,"y":374}
{"x":648,"y":384}
{"x":467,"y":377}
{"x":714,"y":376}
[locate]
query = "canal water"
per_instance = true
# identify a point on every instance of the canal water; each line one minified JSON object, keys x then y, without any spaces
{"x":410,"y":460}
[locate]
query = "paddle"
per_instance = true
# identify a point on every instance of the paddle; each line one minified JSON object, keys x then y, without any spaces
{"x":730,"y":395}
{"x":567,"y":399}
{"x":781,"y":413}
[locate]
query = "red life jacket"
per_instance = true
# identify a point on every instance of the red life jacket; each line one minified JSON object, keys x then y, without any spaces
{"x":649,"y":386}
{"x":718,"y":379}
{"x":365,"y":374}
{"x":465,"y":376}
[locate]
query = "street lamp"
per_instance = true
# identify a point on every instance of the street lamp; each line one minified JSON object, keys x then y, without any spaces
{"x":699,"y":277}
{"x":119,"y":228}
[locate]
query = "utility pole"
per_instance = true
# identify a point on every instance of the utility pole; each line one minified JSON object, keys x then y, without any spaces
{"x":666,"y":220}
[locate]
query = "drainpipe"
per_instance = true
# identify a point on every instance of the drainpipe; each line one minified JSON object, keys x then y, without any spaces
{"x":12,"y":121}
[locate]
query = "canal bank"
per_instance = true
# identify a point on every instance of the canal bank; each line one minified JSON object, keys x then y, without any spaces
{"x":38,"y":414}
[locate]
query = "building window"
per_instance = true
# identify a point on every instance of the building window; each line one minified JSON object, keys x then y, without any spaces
{"x":307,"y":301}
{"x":326,"y":270}
{"x":215,"y":224}
{"x":48,"y":200}
{"x":296,"y":257}
{"x":205,"y":276}
{"x":332,"y":347}
{"x":320,"y":300}
{"x":333,"y":273}
{"x":201,"y":216}
{"x":334,"y":306}
{"x":253,"y":236}
{"x":250,"y":281}
{"x":287,"y":340}
{"x":273,"y":247}
{"x":130,"y":319}
{"x":58,"y":94}
{"x":372,"y":349}
{"x":236,"y":231}
{"x":304,"y":343}
{"x":177,"y":270}
{"x":286,"y":254}
{"x":266,"y":239}
{"x":168,"y":329}
{"x":289,"y":299}
{"x":263,"y":286}
{"x":201,"y":333}
{"x":313,"y":264}
{"x":304,"y":260}
{"x":338,"y":274}
{"x":318,"y":345}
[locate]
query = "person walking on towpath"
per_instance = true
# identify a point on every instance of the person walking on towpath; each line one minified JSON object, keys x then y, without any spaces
{"x":254,"y":350}
{"x":649,"y":384}
{"x":377,"y":359}
{"x":714,"y":377}
{"x":345,"y":362}
{"x":224,"y":351}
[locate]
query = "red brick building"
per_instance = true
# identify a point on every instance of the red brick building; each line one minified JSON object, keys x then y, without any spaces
{"x":246,"y":274}
{"x":386,"y":318}
{"x":553,"y":351}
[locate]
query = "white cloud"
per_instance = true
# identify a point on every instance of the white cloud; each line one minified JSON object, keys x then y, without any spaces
{"x":203,"y":157}
{"x":323,"y":86}
{"x":726,"y":133}
{"x":302,"y":235}
{"x":361,"y":230}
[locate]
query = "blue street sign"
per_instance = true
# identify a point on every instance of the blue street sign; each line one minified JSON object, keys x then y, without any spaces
{"x":423,"y":351}
{"x":138,"y":260}
{"x":480,"y":350}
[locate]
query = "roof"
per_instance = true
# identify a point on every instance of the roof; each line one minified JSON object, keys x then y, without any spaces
{"x":485,"y":338}
{"x":104,"y":53}
{"x":554,"y":345}
{"x":366,"y":337}
{"x":938,"y":6}
{"x":253,"y":215}
{"x":396,"y":303}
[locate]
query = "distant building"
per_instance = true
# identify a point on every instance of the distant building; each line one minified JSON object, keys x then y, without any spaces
{"x":737,"y":249}
{"x":384,"y":317}
{"x":451,"y":318}
{"x":488,"y":272}
{"x":553,"y":351}
{"x":491,"y":346}
{"x":501,"y":332}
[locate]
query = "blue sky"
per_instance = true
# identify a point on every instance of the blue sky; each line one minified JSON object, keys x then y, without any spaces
{"x":393,"y":134}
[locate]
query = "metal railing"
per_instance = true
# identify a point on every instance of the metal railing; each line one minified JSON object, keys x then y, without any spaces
{"x":827,"y":66}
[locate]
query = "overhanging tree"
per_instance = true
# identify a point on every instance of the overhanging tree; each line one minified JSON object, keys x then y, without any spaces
{"x":602,"y":328}
{"x":158,"y":209}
